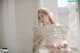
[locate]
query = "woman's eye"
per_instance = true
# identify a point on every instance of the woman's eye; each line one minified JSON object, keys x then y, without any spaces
{"x":42,"y":16}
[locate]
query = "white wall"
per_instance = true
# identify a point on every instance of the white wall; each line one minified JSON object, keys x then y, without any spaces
{"x":73,"y":23}
{"x":9,"y":37}
{"x":63,"y":16}
{"x":1,"y":22}
{"x":26,"y":12}
{"x":79,"y":23}
{"x":64,"y":19}
{"x":16,"y":22}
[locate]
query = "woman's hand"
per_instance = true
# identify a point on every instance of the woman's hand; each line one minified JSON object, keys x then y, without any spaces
{"x":64,"y":45}
{"x":59,"y":47}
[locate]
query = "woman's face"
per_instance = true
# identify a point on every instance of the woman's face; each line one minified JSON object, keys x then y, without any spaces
{"x":43,"y":18}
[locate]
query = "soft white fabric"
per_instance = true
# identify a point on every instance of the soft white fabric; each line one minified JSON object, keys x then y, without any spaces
{"x":50,"y":34}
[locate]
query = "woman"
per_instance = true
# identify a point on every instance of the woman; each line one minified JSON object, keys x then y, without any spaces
{"x":44,"y":34}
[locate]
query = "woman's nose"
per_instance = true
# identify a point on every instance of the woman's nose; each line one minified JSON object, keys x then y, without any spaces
{"x":41,"y":19}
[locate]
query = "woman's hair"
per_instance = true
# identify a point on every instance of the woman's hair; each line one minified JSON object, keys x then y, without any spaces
{"x":45,"y":11}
